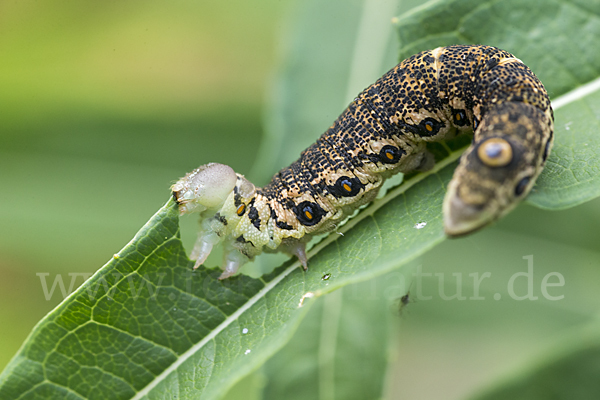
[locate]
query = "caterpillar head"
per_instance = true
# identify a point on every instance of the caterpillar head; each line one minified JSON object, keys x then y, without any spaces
{"x":499,"y":169}
{"x":206,"y":187}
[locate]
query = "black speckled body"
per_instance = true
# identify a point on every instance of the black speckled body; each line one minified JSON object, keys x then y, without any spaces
{"x":431,"y":96}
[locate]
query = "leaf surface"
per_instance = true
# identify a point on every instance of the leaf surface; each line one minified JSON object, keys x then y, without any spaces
{"x":146,"y":327}
{"x":553,"y":38}
{"x":571,"y":373}
{"x":341,"y":349}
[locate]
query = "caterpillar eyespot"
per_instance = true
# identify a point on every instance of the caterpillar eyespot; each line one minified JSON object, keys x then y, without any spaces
{"x":240,"y":210}
{"x":522,"y":185}
{"x":430,"y":127}
{"x":460,"y":117}
{"x":459,"y":89}
{"x":547,"y":149}
{"x":308,"y":213}
{"x":495,"y":152}
{"x":346,"y":187}
{"x":390,"y":154}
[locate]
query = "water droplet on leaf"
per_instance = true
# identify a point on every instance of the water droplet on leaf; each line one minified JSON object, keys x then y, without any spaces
{"x":420,"y":225}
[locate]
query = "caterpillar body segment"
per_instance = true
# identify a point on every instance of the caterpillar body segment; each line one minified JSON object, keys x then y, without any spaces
{"x":431,"y":96}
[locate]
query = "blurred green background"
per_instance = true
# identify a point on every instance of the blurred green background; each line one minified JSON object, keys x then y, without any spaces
{"x":105,"y":104}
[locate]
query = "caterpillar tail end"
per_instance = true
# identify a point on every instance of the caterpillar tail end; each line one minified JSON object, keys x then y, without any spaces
{"x":461,"y":218}
{"x":499,"y":169}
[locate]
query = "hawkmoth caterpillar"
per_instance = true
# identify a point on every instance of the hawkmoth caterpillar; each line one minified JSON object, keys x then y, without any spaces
{"x":429,"y":97}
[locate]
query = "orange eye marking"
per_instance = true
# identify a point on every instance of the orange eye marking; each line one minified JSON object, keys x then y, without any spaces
{"x":391,"y":156}
{"x":308,"y":214}
{"x":240,"y":209}
{"x":347,"y":187}
{"x":457,"y":117}
{"x":429,"y":127}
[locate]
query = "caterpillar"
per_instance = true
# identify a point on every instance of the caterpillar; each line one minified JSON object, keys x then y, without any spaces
{"x":429,"y":97}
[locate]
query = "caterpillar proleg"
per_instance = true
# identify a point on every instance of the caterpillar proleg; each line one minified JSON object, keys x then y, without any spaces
{"x":429,"y":97}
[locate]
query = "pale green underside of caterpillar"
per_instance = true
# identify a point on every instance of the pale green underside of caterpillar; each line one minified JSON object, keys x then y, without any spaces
{"x":429,"y":97}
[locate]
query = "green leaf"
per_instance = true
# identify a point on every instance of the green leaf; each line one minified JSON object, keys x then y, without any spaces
{"x":144,"y":324}
{"x":572,"y":174}
{"x":319,"y":78}
{"x":341,"y":349}
{"x":135,"y":316}
{"x":571,"y":374}
{"x":553,"y":38}
{"x":156,"y":330}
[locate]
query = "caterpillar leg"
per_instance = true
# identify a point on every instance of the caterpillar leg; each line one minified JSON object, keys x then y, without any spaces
{"x":427,"y":162}
{"x":298,"y":249}
{"x":207,"y":238}
{"x":233,"y":259}
{"x":205,"y":190}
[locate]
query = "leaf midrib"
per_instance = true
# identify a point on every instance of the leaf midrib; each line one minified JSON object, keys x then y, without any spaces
{"x":567,"y":98}
{"x":577,"y":94}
